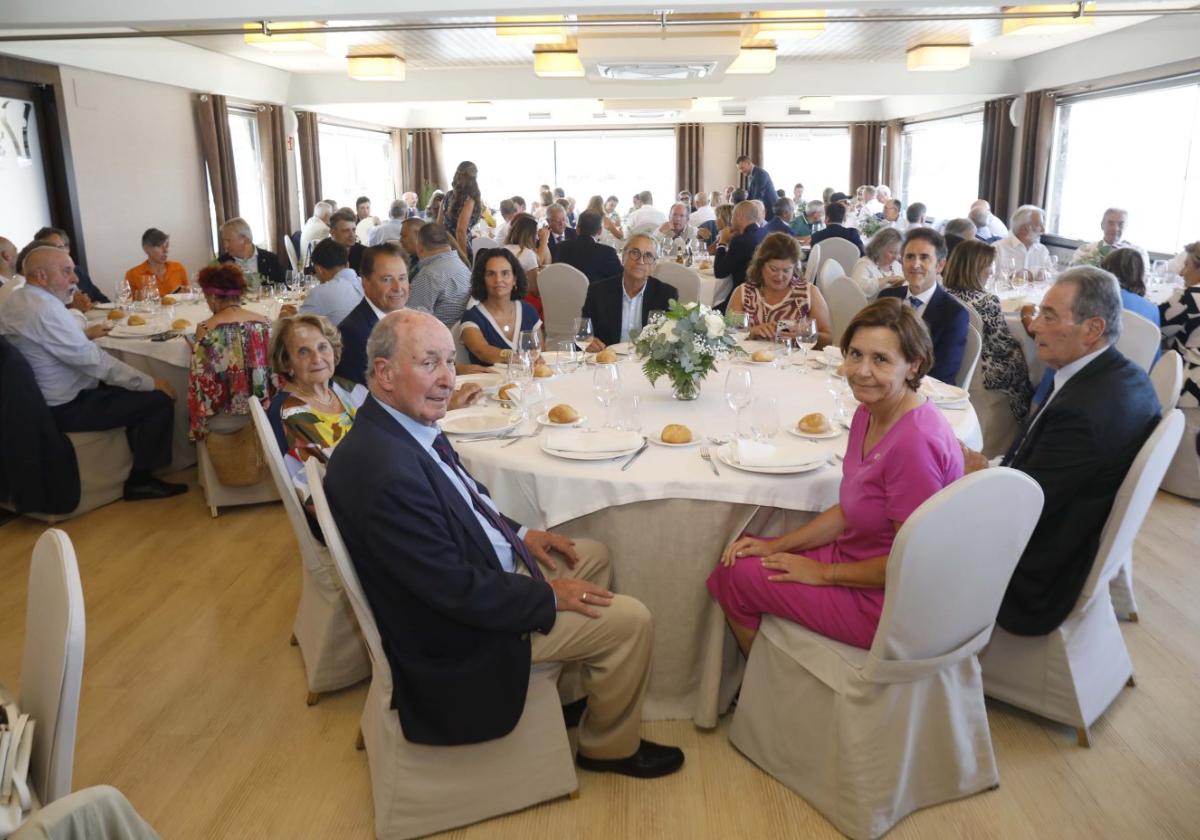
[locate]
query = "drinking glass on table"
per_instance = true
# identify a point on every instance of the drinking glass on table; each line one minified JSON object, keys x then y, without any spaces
{"x":533,"y":396}
{"x":764,"y":418}
{"x":629,"y":417}
{"x":124,"y":294}
{"x":568,"y":357}
{"x":529,"y":343}
{"x":739,"y":385}
{"x":784,"y":330}
{"x":606,"y":387}
{"x":1021,"y":279}
{"x":152,"y":298}
{"x":520,"y":368}
{"x":740,"y":323}
{"x":806,"y":336}
{"x":581,"y":328}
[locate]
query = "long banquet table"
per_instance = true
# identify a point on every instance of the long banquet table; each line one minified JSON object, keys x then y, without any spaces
{"x":667,"y":517}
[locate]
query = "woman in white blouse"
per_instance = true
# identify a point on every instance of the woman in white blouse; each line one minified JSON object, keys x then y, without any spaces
{"x":880,"y":266}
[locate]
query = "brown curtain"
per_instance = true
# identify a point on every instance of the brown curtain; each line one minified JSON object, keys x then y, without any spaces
{"x":272,"y":138}
{"x":400,"y":160}
{"x":426,"y":161}
{"x":748,"y":140}
{"x":1037,"y":136}
{"x":689,"y":157}
{"x":866,"y":154}
{"x":212,"y":119}
{"x":996,"y":155}
{"x":307,"y":135}
{"x":891,"y":157}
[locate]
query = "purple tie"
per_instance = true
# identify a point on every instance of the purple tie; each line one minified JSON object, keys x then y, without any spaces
{"x":441,"y":445}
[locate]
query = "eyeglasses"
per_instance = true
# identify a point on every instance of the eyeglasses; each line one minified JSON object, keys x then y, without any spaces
{"x":647,"y":257}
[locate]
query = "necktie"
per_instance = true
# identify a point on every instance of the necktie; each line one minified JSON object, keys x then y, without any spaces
{"x":916,"y":302}
{"x":1024,"y":432}
{"x":442,"y":447}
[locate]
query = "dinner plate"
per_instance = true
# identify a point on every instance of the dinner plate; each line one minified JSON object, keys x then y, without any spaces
{"x":728,"y":456}
{"x":832,"y":433}
{"x":546,"y":421}
{"x":489,"y":383}
{"x":589,"y":456}
{"x":104,"y":306}
{"x":656,"y":437}
{"x":622,"y":349}
{"x":944,"y":395}
{"x":478,"y":421}
{"x":123,"y":330}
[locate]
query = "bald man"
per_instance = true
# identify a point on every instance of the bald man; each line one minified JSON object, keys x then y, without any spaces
{"x":87,"y":389}
{"x":466,"y":598}
{"x":10,"y":280}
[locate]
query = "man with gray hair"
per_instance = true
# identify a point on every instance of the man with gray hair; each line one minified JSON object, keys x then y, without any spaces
{"x":1112,"y":224}
{"x":466,"y":598}
{"x":703,"y":212}
{"x":316,"y":228}
{"x":237,"y":243}
{"x":812,"y":221}
{"x":389,"y":231}
{"x":1023,"y":248}
{"x":987,"y":227}
{"x":676,"y":226}
{"x":1078,"y":445}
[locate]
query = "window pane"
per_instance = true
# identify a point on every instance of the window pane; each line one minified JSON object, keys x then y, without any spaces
{"x":1134,"y":151}
{"x":509,"y":163}
{"x":354,"y":162}
{"x":252,"y":206}
{"x":815,"y":157}
{"x":26,"y":205}
{"x":940,"y":165}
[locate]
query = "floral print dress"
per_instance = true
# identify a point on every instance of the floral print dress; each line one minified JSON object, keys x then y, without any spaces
{"x":314,"y":434}
{"x":230,"y":366}
{"x":1002,"y":359}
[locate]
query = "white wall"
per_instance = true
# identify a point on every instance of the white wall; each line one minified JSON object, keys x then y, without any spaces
{"x":137,"y":162}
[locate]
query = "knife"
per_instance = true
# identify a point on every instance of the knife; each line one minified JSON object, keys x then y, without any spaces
{"x":634,"y":456}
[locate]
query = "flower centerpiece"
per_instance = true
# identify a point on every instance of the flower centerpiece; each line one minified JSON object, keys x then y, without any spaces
{"x":685,"y":345}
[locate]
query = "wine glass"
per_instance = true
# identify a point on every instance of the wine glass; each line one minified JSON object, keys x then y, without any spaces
{"x":629,"y":414}
{"x":568,"y":357}
{"x":529,"y":343}
{"x":1020,"y":279}
{"x":606,"y":386}
{"x":581,"y":328}
{"x":740,"y":323}
{"x":806,"y":336}
{"x":520,"y":368}
{"x":533,"y":394}
{"x":784,"y":330}
{"x":124,"y":294}
{"x":738,"y":388}
{"x":152,"y":298}
{"x":764,"y":418}
{"x":1158,"y":272}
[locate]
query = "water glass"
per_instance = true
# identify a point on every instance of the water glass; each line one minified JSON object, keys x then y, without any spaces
{"x":806,"y":336}
{"x":629,"y":418}
{"x":520,"y":368}
{"x":152,"y":298}
{"x":784,"y":330}
{"x":606,"y":387}
{"x":569,"y":357}
{"x":764,"y":418}
{"x":739,"y":386}
{"x":530,"y":342}
{"x":740,"y":323}
{"x":581,"y":328}
{"x":1021,"y":279}
{"x":124,"y":294}
{"x":533,"y":395}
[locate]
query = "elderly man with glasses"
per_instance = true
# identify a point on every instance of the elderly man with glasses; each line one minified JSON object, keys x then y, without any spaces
{"x":624,"y":302}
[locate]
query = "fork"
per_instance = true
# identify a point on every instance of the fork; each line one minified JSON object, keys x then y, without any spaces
{"x":516,"y":438}
{"x":706,"y":454}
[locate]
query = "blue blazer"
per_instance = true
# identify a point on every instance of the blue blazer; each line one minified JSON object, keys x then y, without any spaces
{"x":778,"y":225}
{"x":568,"y":235}
{"x":455,"y":626}
{"x":761,"y":187}
{"x":595,"y":260}
{"x":734,"y":259}
{"x":947,"y":320}
{"x":355,"y":329}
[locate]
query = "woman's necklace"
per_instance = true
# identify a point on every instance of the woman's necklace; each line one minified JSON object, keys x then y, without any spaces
{"x":329,"y":402}
{"x":506,"y":322}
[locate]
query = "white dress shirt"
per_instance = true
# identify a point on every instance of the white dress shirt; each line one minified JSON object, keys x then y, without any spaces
{"x":382,"y":233}
{"x":1034,"y":259}
{"x":64,"y":360}
{"x":314,"y":230}
{"x":10,"y":285}
{"x":645,"y":219}
{"x":631,"y":311}
{"x":702,"y":215}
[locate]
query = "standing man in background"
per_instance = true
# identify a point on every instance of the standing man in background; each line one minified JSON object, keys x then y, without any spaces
{"x":759,"y":185}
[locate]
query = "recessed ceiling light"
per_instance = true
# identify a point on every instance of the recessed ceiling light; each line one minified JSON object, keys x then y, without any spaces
{"x":563,"y":64}
{"x":375,"y":68}
{"x":548,"y":34}
{"x":753,"y":60}
{"x":939,"y":57}
{"x":764,"y":23}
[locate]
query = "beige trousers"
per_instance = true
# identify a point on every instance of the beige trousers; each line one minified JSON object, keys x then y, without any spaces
{"x":613,"y":652}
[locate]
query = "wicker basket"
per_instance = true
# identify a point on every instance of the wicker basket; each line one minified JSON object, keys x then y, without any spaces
{"x":236,"y":457}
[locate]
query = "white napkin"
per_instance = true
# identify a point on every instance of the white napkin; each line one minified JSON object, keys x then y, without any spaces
{"x":941,"y":392}
{"x":787,"y":454}
{"x":833,"y":355}
{"x":604,"y":440}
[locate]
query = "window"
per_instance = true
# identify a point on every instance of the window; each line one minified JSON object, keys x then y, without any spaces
{"x":815,"y":157}
{"x":583,"y":163}
{"x":939,"y":164}
{"x":354,"y":162}
{"x":247,"y":166}
{"x":1135,"y":150}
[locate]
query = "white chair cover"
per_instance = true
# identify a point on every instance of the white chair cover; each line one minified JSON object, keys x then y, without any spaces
{"x":481,"y":242}
{"x":1183,"y":476}
{"x":293,"y":260}
{"x":331,"y":648}
{"x":828,"y":270}
{"x":218,"y":495}
{"x":1074,"y":673}
{"x":52,"y":662}
{"x":996,"y":419}
{"x":845,"y":300}
{"x":104,"y":463}
{"x":460,"y":349}
{"x":684,"y":279}
{"x":1140,"y":339}
{"x":812,"y":264}
{"x":563,"y":289}
{"x":94,"y":813}
{"x":867,"y":737}
{"x":970,"y":359}
{"x":1167,"y":377}
{"x":843,"y":251}
{"x":420,"y":789}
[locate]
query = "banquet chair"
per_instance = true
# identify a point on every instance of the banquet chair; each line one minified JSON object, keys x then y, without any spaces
{"x":420,"y":789}
{"x":481,"y":242}
{"x":1183,"y":476}
{"x":812,"y":264}
{"x":217,"y":494}
{"x":869,"y":736}
{"x":842,"y":251}
{"x":563,"y":289}
{"x":845,"y":300}
{"x":1074,"y":673}
{"x":1140,"y":339}
{"x":94,"y":813}
{"x":684,"y":279}
{"x":330,"y":645}
{"x":970,"y":359}
{"x":460,"y":349}
{"x":1167,"y":378}
{"x":293,"y":260}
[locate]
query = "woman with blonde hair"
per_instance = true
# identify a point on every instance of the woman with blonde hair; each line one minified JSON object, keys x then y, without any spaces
{"x":774,"y":291}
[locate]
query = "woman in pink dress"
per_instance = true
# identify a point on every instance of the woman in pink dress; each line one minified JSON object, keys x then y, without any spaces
{"x":829,"y":574}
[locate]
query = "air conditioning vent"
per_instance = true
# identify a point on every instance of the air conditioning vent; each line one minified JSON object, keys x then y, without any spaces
{"x":539,"y":115}
{"x":797,"y":111}
{"x":599,"y":116}
{"x":650,"y":71}
{"x":475,"y":117}
{"x":733,"y":110}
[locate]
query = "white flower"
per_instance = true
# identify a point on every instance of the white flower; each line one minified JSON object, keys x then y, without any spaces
{"x":714,"y":325}
{"x":691,"y":305}
{"x":669,"y":331}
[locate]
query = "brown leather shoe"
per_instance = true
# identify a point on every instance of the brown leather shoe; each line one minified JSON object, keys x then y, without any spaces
{"x":649,"y":762}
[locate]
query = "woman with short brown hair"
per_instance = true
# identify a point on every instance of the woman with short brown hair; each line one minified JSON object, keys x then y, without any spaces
{"x":774,"y":291}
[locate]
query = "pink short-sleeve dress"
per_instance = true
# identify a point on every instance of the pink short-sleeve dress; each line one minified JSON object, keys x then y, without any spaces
{"x":914,"y":460}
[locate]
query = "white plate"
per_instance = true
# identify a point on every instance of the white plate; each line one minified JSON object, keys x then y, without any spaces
{"x":489,"y":383}
{"x":656,"y":437}
{"x":726,"y":455}
{"x":477,"y":421}
{"x":945,"y":395}
{"x":546,"y":421}
{"x":589,"y":456}
{"x":104,"y":306}
{"x":622,"y":349}
{"x":832,"y":433}
{"x":123,"y":330}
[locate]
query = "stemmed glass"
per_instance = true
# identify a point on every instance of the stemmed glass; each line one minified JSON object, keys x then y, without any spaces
{"x":529,"y":344}
{"x":764,"y":418}
{"x":806,"y":336}
{"x":581,"y":328}
{"x":568,"y":357}
{"x":1020,"y":279}
{"x":740,"y":322}
{"x":606,"y":386}
{"x":124,"y":294}
{"x":738,"y":388}
{"x":533,"y":394}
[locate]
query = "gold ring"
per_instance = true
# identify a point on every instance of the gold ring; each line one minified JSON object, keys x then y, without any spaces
{"x":583,"y":597}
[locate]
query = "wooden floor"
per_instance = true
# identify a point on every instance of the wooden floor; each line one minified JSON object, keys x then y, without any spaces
{"x":193,"y":705}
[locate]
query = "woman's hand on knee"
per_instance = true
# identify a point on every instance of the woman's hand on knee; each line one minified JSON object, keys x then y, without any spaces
{"x":743,"y":547}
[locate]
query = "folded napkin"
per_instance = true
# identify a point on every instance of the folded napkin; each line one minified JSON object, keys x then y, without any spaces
{"x":787,"y":454}
{"x":1013,"y":304}
{"x":941,"y":391}
{"x":604,"y":440}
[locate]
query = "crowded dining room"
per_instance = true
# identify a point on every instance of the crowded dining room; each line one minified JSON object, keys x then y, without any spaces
{"x":717,"y":421}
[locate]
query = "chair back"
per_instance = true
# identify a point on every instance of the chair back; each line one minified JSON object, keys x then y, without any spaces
{"x":842,"y":251}
{"x":973,"y":316}
{"x":563,"y":289}
{"x":345,"y":569}
{"x":1167,"y":377}
{"x":481,"y":242}
{"x":825,"y":274}
{"x":52,"y":662}
{"x":813,"y":264}
{"x":970,"y":359}
{"x":1133,"y":501}
{"x":1140,"y":339}
{"x":951,"y":562}
{"x":293,"y":260}
{"x":845,"y":300}
{"x":460,"y":349}
{"x":684,"y":279}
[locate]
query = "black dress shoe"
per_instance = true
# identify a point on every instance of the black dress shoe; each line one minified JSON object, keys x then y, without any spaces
{"x":649,"y":762}
{"x":152,"y":488}
{"x":573,"y":712}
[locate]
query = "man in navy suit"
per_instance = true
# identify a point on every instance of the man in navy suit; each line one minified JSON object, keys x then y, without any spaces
{"x":583,"y":252}
{"x":465,"y":598}
{"x":736,"y":243}
{"x":759,"y":187}
{"x":835,"y":214}
{"x":556,"y":222}
{"x":1078,"y":446}
{"x":624,"y":302}
{"x":782,"y":223}
{"x":947,"y":319}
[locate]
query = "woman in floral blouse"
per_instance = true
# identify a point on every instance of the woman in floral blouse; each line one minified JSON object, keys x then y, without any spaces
{"x":230,"y":359}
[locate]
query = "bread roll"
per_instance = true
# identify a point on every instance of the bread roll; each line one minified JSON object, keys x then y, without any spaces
{"x":543,"y":371}
{"x":563,"y":413}
{"x":705,"y":265}
{"x":168,"y":300}
{"x":676,"y":433}
{"x":116,"y":315}
{"x":180,"y":324}
{"x":510,"y":391}
{"x":606,"y":357}
{"x":136,"y":321}
{"x":814,"y":424}
{"x":763,"y":356}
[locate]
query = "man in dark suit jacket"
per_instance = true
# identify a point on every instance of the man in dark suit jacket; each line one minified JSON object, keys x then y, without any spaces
{"x":947,"y":319}
{"x":556,"y":223}
{"x":633,"y":291}
{"x":835,"y":214}
{"x":343,"y":227}
{"x":237,"y":243}
{"x":1078,"y":446}
{"x":458,"y":590}
{"x":736,"y":244}
{"x":583,"y":252}
{"x":385,"y":289}
{"x":759,"y":186}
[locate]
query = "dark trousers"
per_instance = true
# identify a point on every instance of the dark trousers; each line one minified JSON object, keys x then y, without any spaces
{"x":148,"y":418}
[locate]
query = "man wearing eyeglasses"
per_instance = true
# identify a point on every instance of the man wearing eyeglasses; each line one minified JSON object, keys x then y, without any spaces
{"x":623,"y":303}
